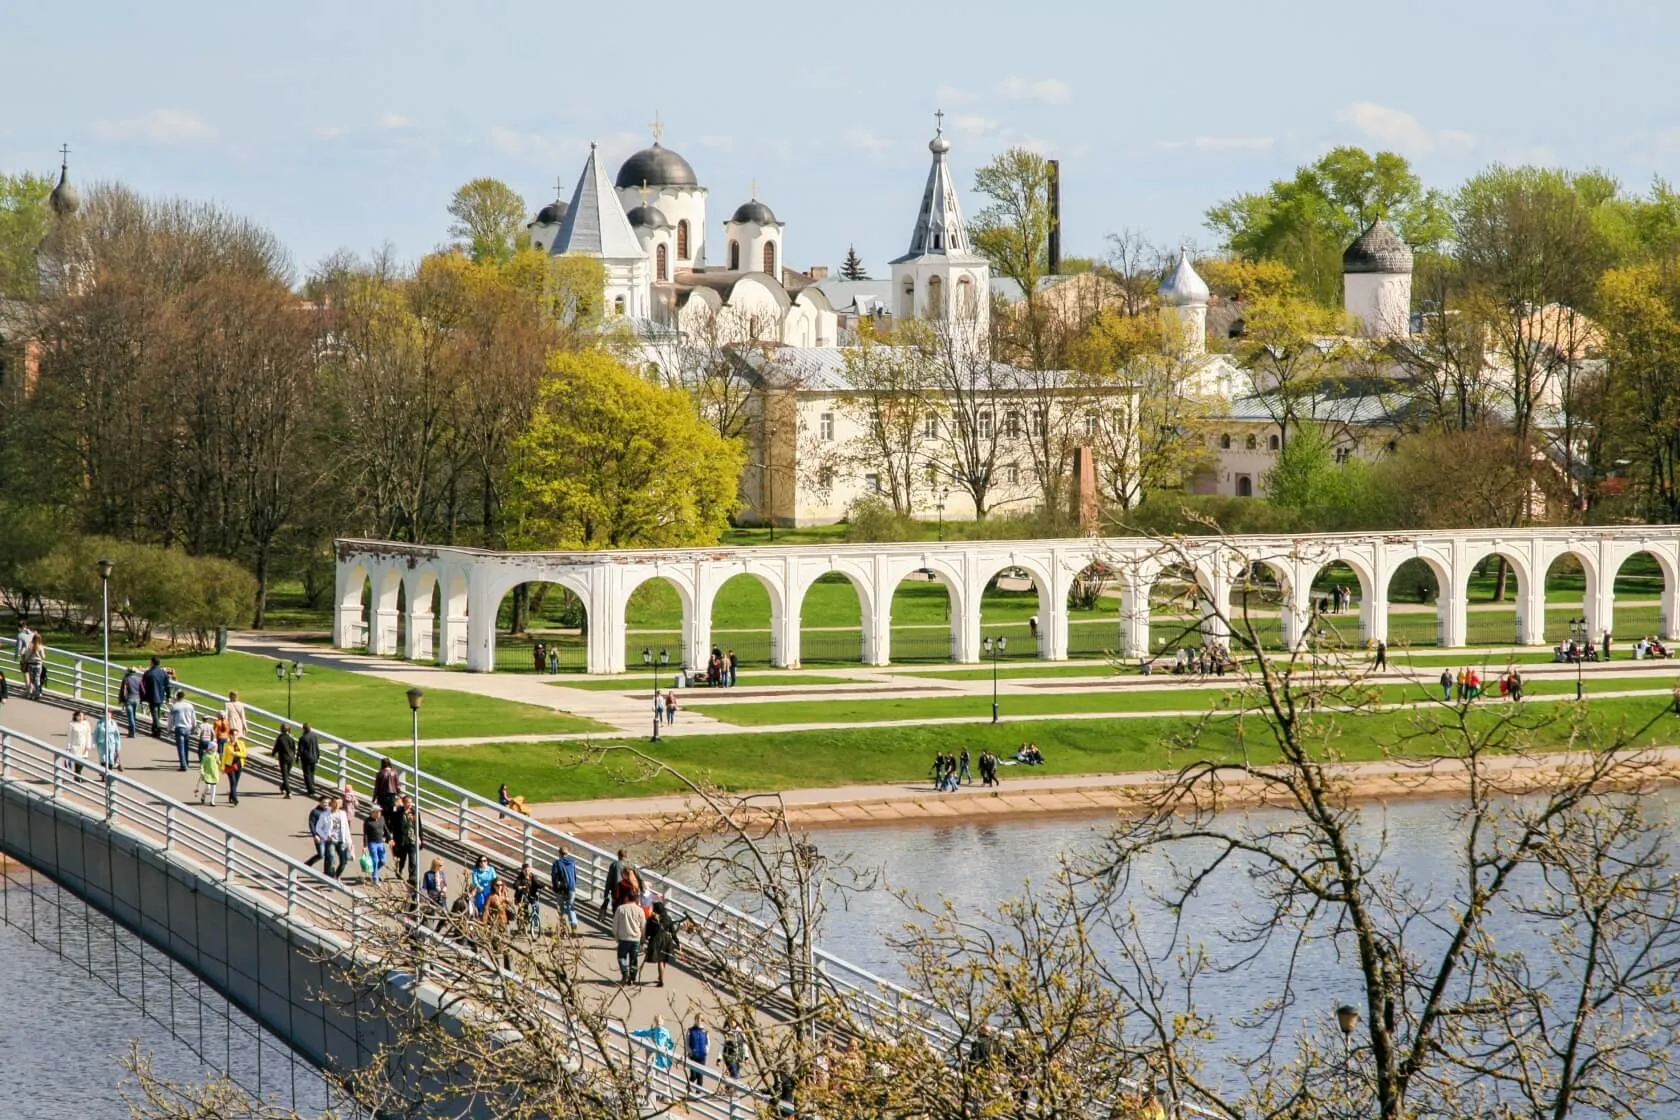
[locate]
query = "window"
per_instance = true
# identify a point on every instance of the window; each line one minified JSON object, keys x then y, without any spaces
{"x":1038,"y":422}
{"x":1225,"y":442}
{"x":1014,"y":472}
{"x":1272,"y":443}
{"x":825,"y":478}
{"x":734,"y":256}
{"x":682,"y":240}
{"x":983,"y":423}
{"x":930,"y":427}
{"x":1251,"y":443}
{"x":872,"y":483}
{"x":659,"y":264}
{"x":1090,"y":424}
{"x":770,"y":257}
{"x":1245,"y":486}
{"x":907,"y":301}
{"x":936,"y":298}
{"x":933,"y":474}
{"x":1012,"y":424}
{"x":965,"y":296}
{"x":825,"y":427}
{"x":618,"y":305}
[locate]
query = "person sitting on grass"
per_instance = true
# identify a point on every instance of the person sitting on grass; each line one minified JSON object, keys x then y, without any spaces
{"x":1029,"y":755}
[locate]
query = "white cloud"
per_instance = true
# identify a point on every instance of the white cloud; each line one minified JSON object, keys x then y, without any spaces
{"x":863,"y":140}
{"x":160,"y":126}
{"x":973,"y":125}
{"x":1051,"y":91}
{"x":1222,"y":143}
{"x":1400,"y":131}
{"x":394,"y":120}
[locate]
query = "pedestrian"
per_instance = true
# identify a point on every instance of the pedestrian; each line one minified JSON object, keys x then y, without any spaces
{"x":659,"y":1037}
{"x":658,"y":706}
{"x":670,"y":708}
{"x":734,"y":1049}
{"x":615,"y":871}
{"x":1446,"y":685}
{"x":375,"y":836}
{"x":387,"y":786}
{"x":629,"y":923}
{"x":1382,"y":656}
{"x":352,"y":802}
{"x":207,"y":740}
{"x":659,"y":936}
{"x":78,"y":740}
{"x":5,"y":689}
{"x":562,"y":877}
{"x":734,"y":667}
{"x":320,"y":830}
{"x":553,"y":659}
{"x":128,"y":695}
{"x":209,"y":771}
{"x":33,"y":661}
{"x":182,"y":718}
{"x":107,"y":740}
{"x":233,"y":765}
{"x":405,"y":835}
{"x":154,"y":690}
{"x":1606,"y":645}
{"x":503,"y":797}
{"x":234,"y":715}
{"x":965,"y":776}
{"x":309,"y":757}
{"x":25,"y":638}
{"x":482,"y":880}
{"x":285,"y":756}
{"x":525,"y":897}
{"x":338,"y":855}
{"x":435,"y":886}
{"x":698,"y":1045}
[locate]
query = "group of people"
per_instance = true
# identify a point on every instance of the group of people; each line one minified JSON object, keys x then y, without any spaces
{"x":545,"y":659}
{"x":644,"y":930}
{"x":391,"y":832}
{"x":950,"y":770}
{"x":1210,"y":659}
{"x":665,"y":706}
{"x":1467,"y":684}
{"x":697,"y":1048}
{"x":1650,"y":647}
{"x":1337,"y":602}
{"x":721,"y":668}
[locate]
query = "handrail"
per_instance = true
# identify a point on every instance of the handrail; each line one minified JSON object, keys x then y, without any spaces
{"x":332,"y":909}
{"x":484,"y":827}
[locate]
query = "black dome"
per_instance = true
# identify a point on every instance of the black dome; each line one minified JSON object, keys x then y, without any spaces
{"x":648,"y":217}
{"x":551,"y":215}
{"x":656,"y":167}
{"x":1378,"y":249}
{"x":754,"y":211}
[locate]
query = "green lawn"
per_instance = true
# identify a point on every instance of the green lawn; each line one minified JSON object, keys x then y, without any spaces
{"x":353,"y":706}
{"x":749,"y":679}
{"x":866,"y":755}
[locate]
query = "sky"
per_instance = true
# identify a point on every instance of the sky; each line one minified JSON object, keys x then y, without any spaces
{"x":347,"y":124}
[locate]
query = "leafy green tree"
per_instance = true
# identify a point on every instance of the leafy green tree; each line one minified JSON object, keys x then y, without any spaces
{"x":24,"y":220}
{"x":1012,"y":230}
{"x":852,"y":267}
{"x":1307,"y":221}
{"x":611,"y":460}
{"x":489,"y":219}
{"x":1329,"y":496}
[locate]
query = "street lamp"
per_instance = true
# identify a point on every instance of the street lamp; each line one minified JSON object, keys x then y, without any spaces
{"x":1347,"y":1018}
{"x":1580,"y":625}
{"x":414,"y":698}
{"x":940,"y":506}
{"x":105,"y":567}
{"x":653,"y":669}
{"x":994,"y":646}
{"x":281,"y":673}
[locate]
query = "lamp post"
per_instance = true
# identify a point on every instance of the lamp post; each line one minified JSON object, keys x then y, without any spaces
{"x":105,"y":567}
{"x":1347,"y":1019}
{"x":994,"y":646}
{"x":653,"y":670}
{"x":281,"y":673}
{"x":414,"y":698}
{"x":940,"y":506}
{"x":1579,"y":625}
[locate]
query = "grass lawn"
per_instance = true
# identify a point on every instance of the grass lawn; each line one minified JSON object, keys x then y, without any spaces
{"x":860,"y":755}
{"x":355,"y":706}
{"x":791,"y":679}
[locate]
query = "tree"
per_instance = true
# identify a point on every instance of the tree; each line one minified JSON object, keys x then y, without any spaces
{"x":488,"y":218}
{"x":1307,"y":221}
{"x":971,"y":395}
{"x":890,"y":402}
{"x":1639,"y":308}
{"x":1293,"y":349}
{"x":612,"y":461}
{"x":24,"y":220}
{"x":852,"y":267}
{"x":1329,"y":496}
{"x":1012,"y":229}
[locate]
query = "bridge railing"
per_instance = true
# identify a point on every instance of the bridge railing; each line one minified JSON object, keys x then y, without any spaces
{"x":280,"y":884}
{"x":738,"y":942}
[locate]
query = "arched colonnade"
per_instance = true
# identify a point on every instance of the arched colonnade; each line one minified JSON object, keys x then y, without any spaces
{"x":438,"y":602}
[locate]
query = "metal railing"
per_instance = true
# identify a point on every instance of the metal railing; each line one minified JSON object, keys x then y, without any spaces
{"x":333,"y":911}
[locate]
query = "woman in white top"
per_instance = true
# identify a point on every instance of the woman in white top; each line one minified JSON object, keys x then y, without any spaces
{"x":79,"y":740}
{"x":234,"y":713}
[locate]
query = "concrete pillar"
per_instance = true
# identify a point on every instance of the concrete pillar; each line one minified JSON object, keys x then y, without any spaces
{"x":1531,"y":610}
{"x":877,"y":628}
{"x":417,"y":638}
{"x":1373,"y":600}
{"x":606,"y":605}
{"x":1053,"y":613}
{"x":784,"y":638}
{"x":383,"y":642}
{"x":481,"y":628}
{"x":966,"y":595}
{"x":1134,"y":620}
{"x":454,"y":641}
{"x":1216,"y":604}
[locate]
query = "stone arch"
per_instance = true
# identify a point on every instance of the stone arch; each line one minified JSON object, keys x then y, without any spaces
{"x":680,"y":643}
{"x":751,"y":645}
{"x":1029,"y":637}
{"x":1586,"y":611}
{"x":821,"y":645}
{"x":507,"y":654}
{"x":915,"y":635}
{"x":1292,"y":607}
{"x":1368,"y":596}
{"x":452,"y":622}
{"x":1489,"y":626}
{"x":421,"y":594}
{"x":386,"y":628}
{"x":1631,"y":622}
{"x":354,"y":603}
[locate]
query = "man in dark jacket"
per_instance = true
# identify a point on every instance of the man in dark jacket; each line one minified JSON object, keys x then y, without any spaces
{"x":154,"y":690}
{"x":405,"y":834}
{"x":614,"y":873}
{"x":285,"y":757}
{"x":309,"y":757}
{"x":128,"y":695}
{"x":562,"y":876}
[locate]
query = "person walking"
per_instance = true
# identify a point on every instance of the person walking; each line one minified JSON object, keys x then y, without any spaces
{"x":107,"y":740}
{"x":525,"y":897}
{"x":670,"y":707}
{"x":154,"y":690}
{"x":375,"y":836}
{"x":734,"y":1049}
{"x":734,"y":668}
{"x":434,"y":885}
{"x":659,"y":1038}
{"x":309,"y":757}
{"x":285,"y":757}
{"x":562,"y":877}
{"x":209,"y":771}
{"x":338,"y":854}
{"x":405,"y":835}
{"x":658,"y":706}
{"x":5,"y":689}
{"x":697,"y":1045}
{"x":182,"y":719}
{"x":629,"y":924}
{"x":1382,"y":656}
{"x":128,"y":695}
{"x":32,"y":658}
{"x":615,"y":871}
{"x":963,"y":775}
{"x":483,"y":878}
{"x":233,"y":765}
{"x":234,"y":714}
{"x":387,"y":786}
{"x":1606,"y":645}
{"x":78,"y":740}
{"x":320,"y":830}
{"x":1446,"y":685}
{"x":207,"y":743}
{"x":660,"y":939}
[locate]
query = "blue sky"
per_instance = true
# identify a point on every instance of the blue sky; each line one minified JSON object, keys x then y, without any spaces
{"x":347,"y":124}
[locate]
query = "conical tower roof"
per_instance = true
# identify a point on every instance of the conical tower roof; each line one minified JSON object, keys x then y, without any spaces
{"x":1378,"y":249}
{"x":940,"y":231}
{"x":65,"y":200}
{"x":595,"y":223}
{"x":1184,"y":288}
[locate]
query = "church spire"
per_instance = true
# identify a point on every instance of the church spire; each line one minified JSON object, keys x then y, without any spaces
{"x":595,"y":223}
{"x":65,"y":200}
{"x":939,"y":224}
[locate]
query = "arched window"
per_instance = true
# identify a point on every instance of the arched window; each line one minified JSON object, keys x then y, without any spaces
{"x":1225,"y":443}
{"x":907,"y":304}
{"x":1245,"y":486}
{"x":770,"y":257}
{"x":682,"y":240}
{"x":1251,"y":443}
{"x":936,"y":298}
{"x":659,"y":264}
{"x":1272,"y":443}
{"x":965,"y":296}
{"x":734,"y":256}
{"x":618,"y":305}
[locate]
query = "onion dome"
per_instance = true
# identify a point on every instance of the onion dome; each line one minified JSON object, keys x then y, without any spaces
{"x":1183,"y":288}
{"x":648,"y":217}
{"x":754,"y":211}
{"x":656,"y":167}
{"x":1378,"y":249}
{"x":551,"y":215}
{"x":65,"y":199}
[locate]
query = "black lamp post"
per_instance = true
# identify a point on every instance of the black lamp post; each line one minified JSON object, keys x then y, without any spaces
{"x":414,"y":698}
{"x":1347,"y":1019}
{"x":282,"y":673}
{"x":940,"y":506}
{"x":105,"y":567}
{"x":1579,"y":625}
{"x":653,"y":669}
{"x":994,"y":646}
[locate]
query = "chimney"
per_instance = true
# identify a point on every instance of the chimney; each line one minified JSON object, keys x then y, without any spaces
{"x":818,"y":272}
{"x":1055,"y":169}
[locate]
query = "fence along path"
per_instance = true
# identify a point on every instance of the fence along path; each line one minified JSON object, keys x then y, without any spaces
{"x":280,"y":884}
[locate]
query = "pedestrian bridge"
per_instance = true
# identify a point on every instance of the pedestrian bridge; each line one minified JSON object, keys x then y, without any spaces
{"x":224,"y":891}
{"x":433,"y":602}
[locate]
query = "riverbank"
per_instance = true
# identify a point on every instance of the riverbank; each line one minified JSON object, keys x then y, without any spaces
{"x":1066,"y":795}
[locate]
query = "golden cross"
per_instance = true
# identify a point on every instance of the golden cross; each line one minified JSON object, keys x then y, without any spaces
{"x":658,"y":129}
{"x":644,"y":192}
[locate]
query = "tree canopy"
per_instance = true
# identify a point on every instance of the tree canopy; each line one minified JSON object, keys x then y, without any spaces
{"x":489,"y":219}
